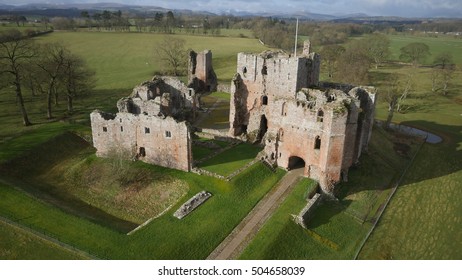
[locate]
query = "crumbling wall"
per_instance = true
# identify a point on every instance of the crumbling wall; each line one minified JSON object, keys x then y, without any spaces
{"x":278,"y":100}
{"x":155,"y":140}
{"x":201,"y":75}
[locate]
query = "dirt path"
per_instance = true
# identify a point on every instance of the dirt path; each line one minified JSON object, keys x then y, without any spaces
{"x":240,"y":237}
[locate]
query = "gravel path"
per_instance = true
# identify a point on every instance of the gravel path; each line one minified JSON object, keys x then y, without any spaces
{"x":233,"y":245}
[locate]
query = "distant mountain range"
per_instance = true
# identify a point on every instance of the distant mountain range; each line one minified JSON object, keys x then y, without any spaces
{"x":75,"y":9}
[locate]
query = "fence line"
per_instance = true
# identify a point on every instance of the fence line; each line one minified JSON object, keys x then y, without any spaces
{"x":388,"y":201}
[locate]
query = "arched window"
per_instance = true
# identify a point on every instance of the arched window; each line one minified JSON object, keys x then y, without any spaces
{"x":264,"y":100}
{"x":317,"y":143}
{"x":320,"y":117}
{"x":244,"y":71}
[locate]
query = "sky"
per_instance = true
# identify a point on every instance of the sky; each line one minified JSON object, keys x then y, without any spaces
{"x":405,"y":8}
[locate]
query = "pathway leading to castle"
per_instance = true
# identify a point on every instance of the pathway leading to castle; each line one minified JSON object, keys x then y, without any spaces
{"x":240,"y":237}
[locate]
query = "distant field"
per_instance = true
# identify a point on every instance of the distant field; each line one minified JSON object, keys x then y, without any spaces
{"x":123,"y":60}
{"x":423,"y":220}
{"x":437,"y":45}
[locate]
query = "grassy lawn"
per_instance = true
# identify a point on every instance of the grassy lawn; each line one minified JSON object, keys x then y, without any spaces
{"x":218,"y":118}
{"x":18,"y":244}
{"x":423,"y":220}
{"x":338,"y":226}
{"x":191,"y":238}
{"x":231,"y":160}
{"x":201,"y":151}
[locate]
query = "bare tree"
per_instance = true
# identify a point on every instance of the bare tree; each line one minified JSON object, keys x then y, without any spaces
{"x":415,"y":53}
{"x":442,"y":72}
{"x":172,"y":51}
{"x":354,"y":64}
{"x":441,"y":78}
{"x":77,"y":79}
{"x":397,"y":90}
{"x":330,"y":56}
{"x":16,"y":53}
{"x":378,"y":48}
{"x":51,"y":63}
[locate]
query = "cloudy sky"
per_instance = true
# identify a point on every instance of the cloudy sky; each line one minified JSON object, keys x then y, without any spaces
{"x":407,"y":8}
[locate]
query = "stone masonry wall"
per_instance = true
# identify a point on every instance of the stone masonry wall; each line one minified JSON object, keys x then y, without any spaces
{"x":164,"y":142}
{"x":278,"y":100}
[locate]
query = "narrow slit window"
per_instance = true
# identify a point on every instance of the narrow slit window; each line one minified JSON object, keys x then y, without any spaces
{"x":121,"y":129}
{"x":320,"y":117}
{"x":317,"y":143}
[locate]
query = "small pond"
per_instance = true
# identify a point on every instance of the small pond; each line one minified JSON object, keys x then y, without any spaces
{"x":431,"y":138}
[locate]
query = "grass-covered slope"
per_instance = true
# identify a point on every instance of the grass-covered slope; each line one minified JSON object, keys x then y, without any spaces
{"x":35,"y":201}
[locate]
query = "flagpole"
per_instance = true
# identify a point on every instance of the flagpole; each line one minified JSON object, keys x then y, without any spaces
{"x":296,"y":37}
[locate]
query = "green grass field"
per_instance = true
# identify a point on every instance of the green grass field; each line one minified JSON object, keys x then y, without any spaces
{"x":337,"y":227}
{"x":194,"y":237}
{"x":421,"y":222}
{"x":231,"y":160}
{"x":19,"y":244}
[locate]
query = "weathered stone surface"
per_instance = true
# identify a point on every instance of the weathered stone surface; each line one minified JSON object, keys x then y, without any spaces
{"x":278,"y":100}
{"x":304,"y":216}
{"x":152,"y":123}
{"x":192,"y":204}
{"x":201,"y":75}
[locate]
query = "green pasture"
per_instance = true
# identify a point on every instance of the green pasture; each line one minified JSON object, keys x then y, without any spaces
{"x":437,"y":45}
{"x":338,"y":227}
{"x":231,"y":160}
{"x":423,"y":219}
{"x":193,"y":237}
{"x":19,"y":244}
{"x":123,"y":60}
{"x":421,"y":222}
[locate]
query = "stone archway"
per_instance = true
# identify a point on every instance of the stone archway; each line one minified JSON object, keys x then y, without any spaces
{"x":296,"y":162}
{"x":263,"y":128}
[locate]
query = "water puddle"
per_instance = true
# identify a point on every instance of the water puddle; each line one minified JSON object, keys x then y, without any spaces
{"x":430,"y":137}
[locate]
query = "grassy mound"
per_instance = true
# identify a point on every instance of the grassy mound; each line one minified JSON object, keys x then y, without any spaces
{"x":66,"y":170}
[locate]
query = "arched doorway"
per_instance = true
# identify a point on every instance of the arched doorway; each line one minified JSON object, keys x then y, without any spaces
{"x":263,"y":128}
{"x":296,"y":162}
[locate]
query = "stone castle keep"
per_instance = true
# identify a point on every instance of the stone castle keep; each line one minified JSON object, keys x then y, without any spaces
{"x":276,"y":100}
{"x":152,"y":124}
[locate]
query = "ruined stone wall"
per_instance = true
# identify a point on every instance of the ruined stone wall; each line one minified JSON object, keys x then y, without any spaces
{"x":201,"y":73}
{"x":164,"y":142}
{"x":278,"y":100}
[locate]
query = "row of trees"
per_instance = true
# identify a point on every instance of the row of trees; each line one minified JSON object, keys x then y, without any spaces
{"x":49,"y":70}
{"x":351,"y":64}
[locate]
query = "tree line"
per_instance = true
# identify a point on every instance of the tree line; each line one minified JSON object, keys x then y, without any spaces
{"x":49,"y":70}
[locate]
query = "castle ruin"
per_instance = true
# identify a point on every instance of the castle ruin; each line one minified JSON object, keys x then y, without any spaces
{"x":277,"y":99}
{"x":152,"y":124}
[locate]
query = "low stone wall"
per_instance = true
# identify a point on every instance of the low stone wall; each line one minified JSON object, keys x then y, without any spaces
{"x":224,"y":87}
{"x":192,"y":204}
{"x":304,"y":215}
